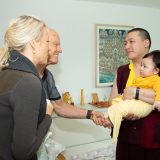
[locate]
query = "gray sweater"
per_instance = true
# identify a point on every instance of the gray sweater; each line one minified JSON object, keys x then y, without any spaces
{"x":22,"y":131}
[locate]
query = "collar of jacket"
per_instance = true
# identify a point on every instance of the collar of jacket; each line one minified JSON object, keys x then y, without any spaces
{"x":17,"y":61}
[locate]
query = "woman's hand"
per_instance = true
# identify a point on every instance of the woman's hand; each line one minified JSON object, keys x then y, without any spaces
{"x":49,"y":108}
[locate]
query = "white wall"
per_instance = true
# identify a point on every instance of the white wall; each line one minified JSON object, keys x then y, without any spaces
{"x":75,"y":20}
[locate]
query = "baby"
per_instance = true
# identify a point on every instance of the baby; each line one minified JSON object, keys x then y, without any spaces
{"x":150,"y":71}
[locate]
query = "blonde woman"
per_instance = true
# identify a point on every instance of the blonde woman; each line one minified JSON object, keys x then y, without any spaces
{"x":24,"y":118}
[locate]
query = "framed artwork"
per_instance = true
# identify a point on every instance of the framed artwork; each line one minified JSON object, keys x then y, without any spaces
{"x":110,"y":52}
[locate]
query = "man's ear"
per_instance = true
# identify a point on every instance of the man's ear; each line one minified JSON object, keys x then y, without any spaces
{"x":146,"y":43}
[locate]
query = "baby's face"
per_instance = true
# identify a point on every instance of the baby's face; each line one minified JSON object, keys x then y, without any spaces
{"x":148,"y":67}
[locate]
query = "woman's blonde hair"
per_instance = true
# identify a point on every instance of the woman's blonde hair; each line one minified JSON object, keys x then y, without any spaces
{"x":20,"y":31}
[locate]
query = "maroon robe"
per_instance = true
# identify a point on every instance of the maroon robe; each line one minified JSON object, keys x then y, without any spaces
{"x":144,"y":132}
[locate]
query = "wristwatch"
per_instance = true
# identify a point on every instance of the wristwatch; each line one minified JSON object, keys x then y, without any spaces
{"x":137,"y":93}
{"x":89,"y":114}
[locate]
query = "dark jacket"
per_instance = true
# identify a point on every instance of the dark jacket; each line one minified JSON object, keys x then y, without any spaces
{"x":23,"y":121}
{"x":144,"y":132}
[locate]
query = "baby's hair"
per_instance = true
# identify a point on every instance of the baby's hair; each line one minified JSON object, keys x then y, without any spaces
{"x":155,"y":55}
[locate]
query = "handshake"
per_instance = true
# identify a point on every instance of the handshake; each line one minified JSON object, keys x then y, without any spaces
{"x":99,"y":119}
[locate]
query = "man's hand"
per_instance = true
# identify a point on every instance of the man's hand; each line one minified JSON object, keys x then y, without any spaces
{"x":129,"y":93}
{"x":131,"y":117}
{"x":156,"y":105}
{"x":107,"y":123}
{"x":99,"y":119}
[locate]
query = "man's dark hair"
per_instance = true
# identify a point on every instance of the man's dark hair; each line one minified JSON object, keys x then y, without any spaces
{"x":155,"y":55}
{"x":143,"y":33}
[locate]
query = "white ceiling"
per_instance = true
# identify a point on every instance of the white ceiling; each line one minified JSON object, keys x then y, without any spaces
{"x":144,"y":3}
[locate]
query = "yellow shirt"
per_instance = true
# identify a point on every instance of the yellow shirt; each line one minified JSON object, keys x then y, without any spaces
{"x":149,"y":82}
{"x":152,"y":82}
{"x":132,"y":75}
